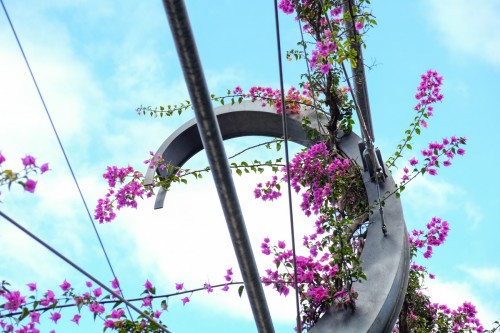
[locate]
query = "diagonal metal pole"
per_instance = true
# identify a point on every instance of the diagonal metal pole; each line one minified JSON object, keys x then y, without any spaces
{"x":212,"y":142}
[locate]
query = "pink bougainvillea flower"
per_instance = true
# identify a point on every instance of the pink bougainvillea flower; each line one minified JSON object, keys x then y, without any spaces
{"x":237,"y":90}
{"x":146,"y":301}
{"x":28,"y":160}
{"x":157,"y":314}
{"x":116,"y":314}
{"x":286,"y":6}
{"x":44,"y":168}
{"x":432,"y":171}
{"x":65,"y":285}
{"x":359,"y":26}
{"x":96,"y":308}
{"x":30,"y":186}
{"x":148,"y":285}
{"x":97,"y":292}
{"x":32,"y":286}
{"x":2,"y":158}
{"x":35,"y":317}
{"x":88,"y":284}
{"x":208,"y":287}
{"x":325,"y":67}
{"x":225,"y":288}
{"x":185,"y":300}
{"x":109,"y":323}
{"x":115,"y":284}
{"x":55,"y":316}
{"x":413,"y":161}
{"x":179,"y":286}
{"x":76,"y":318}
{"x":14,"y":301}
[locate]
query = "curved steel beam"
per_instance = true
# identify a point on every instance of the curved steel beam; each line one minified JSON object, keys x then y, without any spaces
{"x":385,"y":259}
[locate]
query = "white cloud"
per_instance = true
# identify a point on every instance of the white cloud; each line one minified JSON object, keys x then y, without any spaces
{"x":188,"y":241}
{"x":468,"y":27}
{"x":474,"y":213}
{"x":428,"y":194}
{"x":489,"y":276}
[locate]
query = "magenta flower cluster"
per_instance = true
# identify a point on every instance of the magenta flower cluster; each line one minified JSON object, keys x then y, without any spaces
{"x":294,"y":97}
{"x":429,"y":90}
{"x":433,"y":155}
{"x":7,"y":177}
{"x":315,"y":171}
{"x":463,"y":319}
{"x":316,"y":274}
{"x":440,"y":317}
{"x":287,"y":6}
{"x":320,"y":55}
{"x":437,"y":231}
{"x":125,"y":196}
{"x":268,"y":191}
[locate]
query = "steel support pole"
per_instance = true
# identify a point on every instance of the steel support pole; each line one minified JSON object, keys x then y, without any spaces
{"x":358,"y":72}
{"x":212,"y":142}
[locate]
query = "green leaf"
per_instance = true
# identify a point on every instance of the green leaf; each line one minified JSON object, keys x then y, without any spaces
{"x":24,"y":314}
{"x":164,"y":304}
{"x":240,"y":290}
{"x":222,"y":101}
{"x":117,"y":304}
{"x":239,"y":172}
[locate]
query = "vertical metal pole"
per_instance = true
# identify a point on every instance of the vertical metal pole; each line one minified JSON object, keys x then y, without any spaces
{"x":360,"y":88}
{"x":212,"y":142}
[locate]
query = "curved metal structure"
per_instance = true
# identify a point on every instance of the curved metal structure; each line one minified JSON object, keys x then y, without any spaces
{"x":385,"y":258}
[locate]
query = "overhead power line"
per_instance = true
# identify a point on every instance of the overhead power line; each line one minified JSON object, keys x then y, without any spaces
{"x":60,"y":144}
{"x":81,"y":270}
{"x":287,"y":161}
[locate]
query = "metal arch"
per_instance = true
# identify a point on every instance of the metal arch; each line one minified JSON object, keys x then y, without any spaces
{"x":385,"y":259}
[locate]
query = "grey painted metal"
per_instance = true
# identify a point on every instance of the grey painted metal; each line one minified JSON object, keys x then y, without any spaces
{"x":385,"y":259}
{"x":214,"y":147}
{"x":358,"y":72}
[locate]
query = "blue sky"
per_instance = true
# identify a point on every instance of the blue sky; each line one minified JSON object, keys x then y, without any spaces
{"x":96,"y":62}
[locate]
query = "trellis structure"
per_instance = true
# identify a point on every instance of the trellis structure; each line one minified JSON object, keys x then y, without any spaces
{"x":385,"y":256}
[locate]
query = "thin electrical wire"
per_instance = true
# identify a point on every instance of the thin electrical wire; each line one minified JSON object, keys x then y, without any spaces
{"x":82,"y":271}
{"x":285,"y":137}
{"x":60,"y":144}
